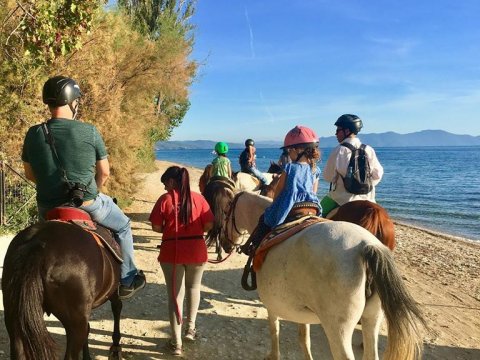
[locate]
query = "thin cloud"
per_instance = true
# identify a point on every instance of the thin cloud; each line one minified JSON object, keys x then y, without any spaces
{"x":397,"y":47}
{"x":252,"y":48}
{"x":267,"y":109}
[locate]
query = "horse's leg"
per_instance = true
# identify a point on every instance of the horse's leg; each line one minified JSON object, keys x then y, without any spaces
{"x":86,"y":349}
{"x":16,"y":345}
{"x":218,"y":249}
{"x":274,"y":325}
{"x":371,"y":320}
{"x":76,"y":328}
{"x":304,"y":339}
{"x":339,"y":332}
{"x":116,"y":350}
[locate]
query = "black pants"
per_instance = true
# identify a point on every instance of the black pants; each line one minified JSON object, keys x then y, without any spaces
{"x":256,"y":237}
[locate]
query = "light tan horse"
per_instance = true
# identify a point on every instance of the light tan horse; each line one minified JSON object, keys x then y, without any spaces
{"x":247,"y":182}
{"x":334,"y":273}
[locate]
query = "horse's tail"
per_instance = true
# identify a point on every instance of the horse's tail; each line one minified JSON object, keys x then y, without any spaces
{"x":401,"y":311}
{"x":23,"y":296}
{"x":377,"y":221}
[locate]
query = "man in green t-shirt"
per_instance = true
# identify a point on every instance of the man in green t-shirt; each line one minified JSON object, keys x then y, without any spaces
{"x":77,"y":160}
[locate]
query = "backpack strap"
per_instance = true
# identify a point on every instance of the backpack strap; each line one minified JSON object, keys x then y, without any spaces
{"x":349,"y":146}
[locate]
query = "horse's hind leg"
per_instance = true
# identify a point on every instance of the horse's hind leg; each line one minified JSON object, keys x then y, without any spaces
{"x":304,"y":339}
{"x":339,"y":333}
{"x":371,"y":320}
{"x":115,"y":352}
{"x":76,"y":328}
{"x":274,"y":325}
{"x":16,"y":345}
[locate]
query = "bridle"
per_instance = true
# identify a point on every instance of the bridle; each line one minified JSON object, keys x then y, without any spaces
{"x":230,"y":216}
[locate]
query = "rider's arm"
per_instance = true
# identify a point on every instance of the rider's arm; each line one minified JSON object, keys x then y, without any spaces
{"x":315,"y":186}
{"x":102,"y":173}
{"x":375,"y":167}
{"x":29,"y":172}
{"x":251,"y":155}
{"x":280,"y":185}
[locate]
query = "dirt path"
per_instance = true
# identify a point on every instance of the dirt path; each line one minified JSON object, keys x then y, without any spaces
{"x":441,"y":272}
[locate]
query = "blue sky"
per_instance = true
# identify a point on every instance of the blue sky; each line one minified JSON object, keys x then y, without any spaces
{"x":269,"y":65}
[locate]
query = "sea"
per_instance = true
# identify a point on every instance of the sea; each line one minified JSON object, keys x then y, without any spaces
{"x":434,"y":188}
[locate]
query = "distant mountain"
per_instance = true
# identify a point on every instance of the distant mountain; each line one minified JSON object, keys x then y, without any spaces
{"x":388,"y":139}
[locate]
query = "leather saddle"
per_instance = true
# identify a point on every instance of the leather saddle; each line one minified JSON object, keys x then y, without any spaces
{"x":102,"y":235}
{"x":280,"y":234}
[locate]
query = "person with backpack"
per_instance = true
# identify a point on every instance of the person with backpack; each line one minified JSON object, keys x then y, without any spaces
{"x":352,"y":169}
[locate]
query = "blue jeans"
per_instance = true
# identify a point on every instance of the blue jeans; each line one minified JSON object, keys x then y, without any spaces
{"x":106,"y":213}
{"x":258,"y":174}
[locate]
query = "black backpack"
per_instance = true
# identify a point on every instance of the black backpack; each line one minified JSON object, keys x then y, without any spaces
{"x":358,"y":179}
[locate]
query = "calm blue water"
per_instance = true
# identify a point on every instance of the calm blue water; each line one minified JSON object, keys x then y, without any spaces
{"x":437,"y":188}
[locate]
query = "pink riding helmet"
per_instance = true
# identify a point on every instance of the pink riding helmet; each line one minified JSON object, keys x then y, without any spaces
{"x":300,"y":135}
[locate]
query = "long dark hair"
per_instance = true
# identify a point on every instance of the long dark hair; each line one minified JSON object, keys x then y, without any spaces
{"x":182,"y":184}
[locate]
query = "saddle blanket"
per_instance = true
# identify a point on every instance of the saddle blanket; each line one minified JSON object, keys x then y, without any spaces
{"x":281,"y":233}
{"x":81,"y":218}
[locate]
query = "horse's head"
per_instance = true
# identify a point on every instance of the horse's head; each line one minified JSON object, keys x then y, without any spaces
{"x":218,"y":194}
{"x":202,"y":183}
{"x":269,"y":190}
{"x":242,"y":217}
{"x":274,"y":168}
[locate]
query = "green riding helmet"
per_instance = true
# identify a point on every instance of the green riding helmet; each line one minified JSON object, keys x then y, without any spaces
{"x":221,"y":148}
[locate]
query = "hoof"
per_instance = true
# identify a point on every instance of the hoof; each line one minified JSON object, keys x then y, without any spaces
{"x":115,"y":353}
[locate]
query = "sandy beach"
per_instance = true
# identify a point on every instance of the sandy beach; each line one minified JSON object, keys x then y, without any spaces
{"x":441,"y":272}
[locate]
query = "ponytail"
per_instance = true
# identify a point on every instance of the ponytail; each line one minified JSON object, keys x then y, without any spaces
{"x":185,"y":197}
{"x":311,"y":153}
{"x":182,"y":184}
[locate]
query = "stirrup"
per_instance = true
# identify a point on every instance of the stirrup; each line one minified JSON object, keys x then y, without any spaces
{"x":248,"y":270}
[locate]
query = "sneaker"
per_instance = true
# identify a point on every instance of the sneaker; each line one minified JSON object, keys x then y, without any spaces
{"x":126,"y":292}
{"x":190,"y":334}
{"x":175,"y":350}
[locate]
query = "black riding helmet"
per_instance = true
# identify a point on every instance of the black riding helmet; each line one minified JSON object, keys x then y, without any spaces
{"x":351,"y":122}
{"x":60,"y":90}
{"x":249,"y":142}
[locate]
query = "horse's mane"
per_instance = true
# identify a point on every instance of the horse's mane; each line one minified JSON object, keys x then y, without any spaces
{"x":274,"y":168}
{"x":216,"y":193}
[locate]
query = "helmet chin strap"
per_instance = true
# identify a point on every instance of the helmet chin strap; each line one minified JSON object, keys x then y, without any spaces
{"x":299,"y":156}
{"x":74,"y":110}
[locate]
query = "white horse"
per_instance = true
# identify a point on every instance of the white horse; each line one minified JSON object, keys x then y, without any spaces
{"x":333,"y":273}
{"x":247,"y":182}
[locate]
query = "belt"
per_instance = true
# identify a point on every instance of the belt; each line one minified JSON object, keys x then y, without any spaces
{"x":193,"y":237}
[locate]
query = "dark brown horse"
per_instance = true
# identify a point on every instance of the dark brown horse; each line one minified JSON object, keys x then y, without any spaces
{"x":57,"y":268}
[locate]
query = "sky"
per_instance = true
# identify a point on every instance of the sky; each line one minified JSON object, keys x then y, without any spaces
{"x":268,"y":65}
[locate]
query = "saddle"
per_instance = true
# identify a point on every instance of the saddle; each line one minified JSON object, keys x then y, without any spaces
{"x":281,"y":233}
{"x":224,"y":180}
{"x":102,"y":235}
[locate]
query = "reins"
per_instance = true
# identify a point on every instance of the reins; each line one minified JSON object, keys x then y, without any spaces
{"x":231,"y":214}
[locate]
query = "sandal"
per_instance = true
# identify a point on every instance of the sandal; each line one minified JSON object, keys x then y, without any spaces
{"x":175,"y":350}
{"x":190,"y":334}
